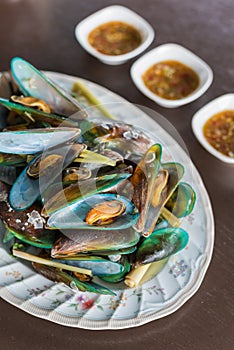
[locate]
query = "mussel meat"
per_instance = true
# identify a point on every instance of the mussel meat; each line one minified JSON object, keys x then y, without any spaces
{"x":33,"y":102}
{"x":105,"y":213}
{"x":42,"y":165}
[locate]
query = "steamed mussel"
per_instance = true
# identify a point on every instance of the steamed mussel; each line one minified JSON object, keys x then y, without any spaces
{"x":87,"y":198}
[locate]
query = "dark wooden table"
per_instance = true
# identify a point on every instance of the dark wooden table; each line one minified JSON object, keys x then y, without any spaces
{"x":43,"y":32}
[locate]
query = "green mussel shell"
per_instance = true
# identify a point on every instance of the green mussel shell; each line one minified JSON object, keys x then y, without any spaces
{"x":182,"y":201}
{"x":160,"y":245}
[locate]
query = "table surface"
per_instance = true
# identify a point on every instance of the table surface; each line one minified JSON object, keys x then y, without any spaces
{"x":43,"y":32}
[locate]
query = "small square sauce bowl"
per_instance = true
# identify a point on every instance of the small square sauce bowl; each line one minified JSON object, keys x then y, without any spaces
{"x":172,"y":52}
{"x":218,"y":105}
{"x":114,"y":13}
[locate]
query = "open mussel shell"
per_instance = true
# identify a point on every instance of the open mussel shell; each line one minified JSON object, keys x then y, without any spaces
{"x":34,"y":83}
{"x":98,"y":265}
{"x":143,"y":182}
{"x":118,"y":277}
{"x":106,"y":212}
{"x":158,"y":194}
{"x":42,"y":166}
{"x":75,"y":215}
{"x":27,"y":189}
{"x":160,"y":245}
{"x":74,"y":283}
{"x":34,"y":141}
{"x":182,"y":201}
{"x":75,"y":192}
{"x":33,"y":115}
{"x":86,"y":241}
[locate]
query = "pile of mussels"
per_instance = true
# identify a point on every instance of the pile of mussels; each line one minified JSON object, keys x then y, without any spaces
{"x":82,"y":199}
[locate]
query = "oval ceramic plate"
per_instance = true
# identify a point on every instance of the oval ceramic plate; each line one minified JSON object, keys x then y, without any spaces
{"x":162,"y":295}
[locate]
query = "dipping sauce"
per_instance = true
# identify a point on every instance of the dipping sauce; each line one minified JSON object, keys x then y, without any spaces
{"x":171,"y":80}
{"x":115,"y":38}
{"x":219,"y":132}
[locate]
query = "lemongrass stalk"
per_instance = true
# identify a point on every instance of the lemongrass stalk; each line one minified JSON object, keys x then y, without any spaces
{"x":79,"y":87}
{"x":171,"y":218}
{"x":133,"y":278}
{"x":153,"y":270}
{"x":39,"y":260}
{"x":144,"y":273}
{"x":93,"y":157}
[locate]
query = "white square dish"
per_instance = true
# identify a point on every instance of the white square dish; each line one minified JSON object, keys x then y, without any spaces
{"x":108,"y":14}
{"x":221,"y":103}
{"x":177,"y":53}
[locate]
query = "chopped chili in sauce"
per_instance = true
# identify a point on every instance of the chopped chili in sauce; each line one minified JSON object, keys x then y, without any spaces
{"x":171,"y":80}
{"x":219,"y":132}
{"x":115,"y":38}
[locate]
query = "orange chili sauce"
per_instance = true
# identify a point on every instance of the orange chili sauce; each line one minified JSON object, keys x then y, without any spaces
{"x":171,"y":80}
{"x":115,"y":38}
{"x":219,"y":132}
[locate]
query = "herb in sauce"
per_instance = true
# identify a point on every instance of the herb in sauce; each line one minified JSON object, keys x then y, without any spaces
{"x":171,"y":80}
{"x":219,"y":132}
{"x":115,"y":38}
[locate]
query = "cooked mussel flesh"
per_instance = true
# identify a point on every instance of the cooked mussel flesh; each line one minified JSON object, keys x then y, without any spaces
{"x":42,"y":165}
{"x":105,"y":213}
{"x":75,"y":174}
{"x":31,"y":102}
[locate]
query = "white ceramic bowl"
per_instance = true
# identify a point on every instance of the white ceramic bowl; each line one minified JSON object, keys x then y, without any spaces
{"x":108,"y":14}
{"x":219,"y":104}
{"x":171,"y":52}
